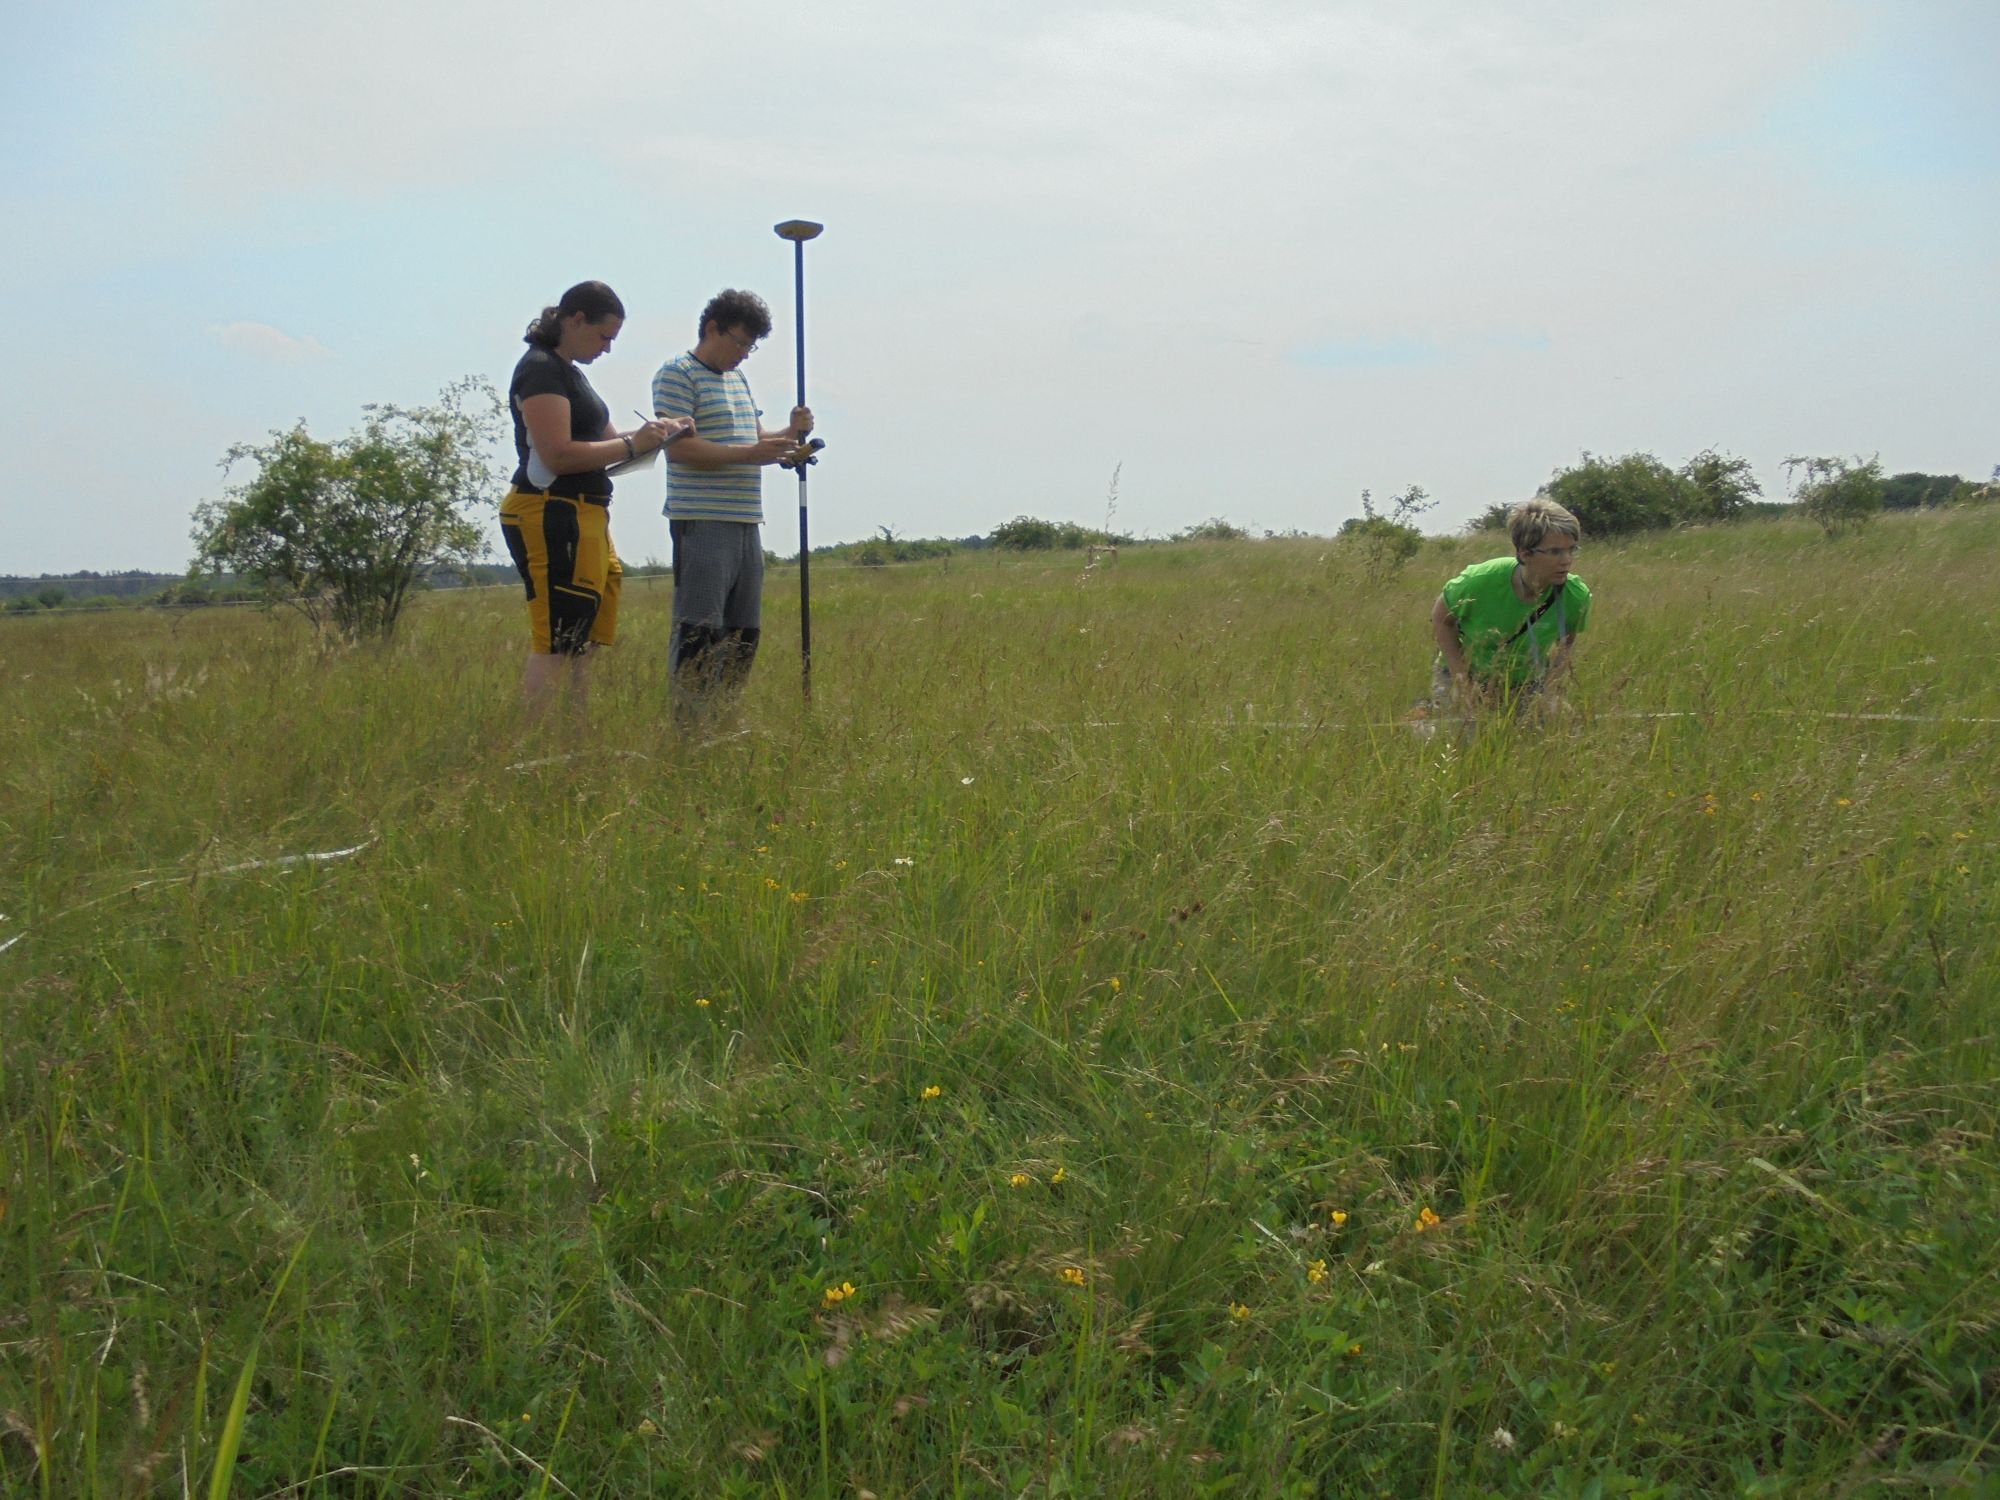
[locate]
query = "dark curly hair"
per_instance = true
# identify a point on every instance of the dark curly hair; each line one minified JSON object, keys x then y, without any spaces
{"x":730,"y":308}
{"x":593,"y":299}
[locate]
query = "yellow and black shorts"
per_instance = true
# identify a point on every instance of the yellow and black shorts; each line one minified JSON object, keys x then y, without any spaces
{"x":562,"y":550}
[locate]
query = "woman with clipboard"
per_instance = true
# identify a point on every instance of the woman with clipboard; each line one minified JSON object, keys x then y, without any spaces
{"x":556,"y":517}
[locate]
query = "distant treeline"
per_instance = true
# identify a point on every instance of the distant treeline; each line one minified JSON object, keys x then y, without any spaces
{"x":1617,"y":496}
{"x":1611,"y":496}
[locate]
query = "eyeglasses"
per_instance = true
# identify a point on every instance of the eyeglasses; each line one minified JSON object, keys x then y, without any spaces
{"x":1565,"y":554}
{"x":748,"y":346}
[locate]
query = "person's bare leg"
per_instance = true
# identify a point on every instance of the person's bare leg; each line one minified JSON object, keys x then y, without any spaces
{"x":538,"y":683}
{"x":552,"y":673}
{"x":578,"y":684}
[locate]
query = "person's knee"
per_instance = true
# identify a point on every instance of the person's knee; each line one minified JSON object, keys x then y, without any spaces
{"x":693,"y":644}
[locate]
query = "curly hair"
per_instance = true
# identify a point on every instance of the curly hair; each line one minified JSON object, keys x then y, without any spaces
{"x":1531,"y":520}
{"x":730,"y":308}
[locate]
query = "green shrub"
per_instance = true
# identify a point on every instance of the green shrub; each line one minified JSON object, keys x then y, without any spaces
{"x":1840,"y":494}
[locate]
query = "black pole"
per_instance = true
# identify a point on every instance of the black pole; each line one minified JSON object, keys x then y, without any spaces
{"x":798,"y":231}
{"x":805,"y":551}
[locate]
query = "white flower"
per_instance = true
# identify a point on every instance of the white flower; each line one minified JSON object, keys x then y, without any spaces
{"x":962,"y":781}
{"x":902,"y":861}
{"x":1501,"y":1439}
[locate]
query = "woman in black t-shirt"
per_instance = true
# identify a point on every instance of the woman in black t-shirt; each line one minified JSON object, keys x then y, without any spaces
{"x":556,"y":518}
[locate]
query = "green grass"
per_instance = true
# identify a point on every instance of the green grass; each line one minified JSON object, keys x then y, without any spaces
{"x":568,"y":1098}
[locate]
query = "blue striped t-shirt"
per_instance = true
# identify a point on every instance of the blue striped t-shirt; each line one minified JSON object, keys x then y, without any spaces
{"x":723,"y":412}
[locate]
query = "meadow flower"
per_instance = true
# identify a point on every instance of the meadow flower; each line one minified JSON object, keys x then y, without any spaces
{"x":702,"y":1003}
{"x":1316,"y":1272}
{"x":1020,"y":1180}
{"x":1501,"y":1440}
{"x":965,"y":781}
{"x":1756,"y":796}
{"x":1354,"y":1351}
{"x":835,"y":1295}
{"x":1059,"y":1178}
{"x":1338,"y":1216}
{"x":900,"y":860}
{"x":1843,"y":802}
{"x":770,"y":884}
{"x":932,"y":1091}
{"x":1116,"y":986}
{"x":1073,"y":1275}
{"x":798,"y":896}
{"x":1239,"y":1312}
{"x":1427,"y":1221}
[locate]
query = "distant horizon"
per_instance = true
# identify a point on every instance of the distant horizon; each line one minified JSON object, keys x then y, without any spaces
{"x":790,"y":553}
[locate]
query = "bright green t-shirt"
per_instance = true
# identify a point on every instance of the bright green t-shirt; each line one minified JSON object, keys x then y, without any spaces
{"x":1483,"y":601}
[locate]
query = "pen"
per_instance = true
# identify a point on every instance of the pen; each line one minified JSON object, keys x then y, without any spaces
{"x":644,"y":418}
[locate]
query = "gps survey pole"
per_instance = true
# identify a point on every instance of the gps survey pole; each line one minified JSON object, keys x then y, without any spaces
{"x":798,"y":231}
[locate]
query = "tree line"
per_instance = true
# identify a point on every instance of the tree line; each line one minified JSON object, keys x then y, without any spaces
{"x":344,"y":531}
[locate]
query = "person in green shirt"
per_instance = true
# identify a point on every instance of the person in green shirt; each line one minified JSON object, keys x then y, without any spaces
{"x":1505,"y":628}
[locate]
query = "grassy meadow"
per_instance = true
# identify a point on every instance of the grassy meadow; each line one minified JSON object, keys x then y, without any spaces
{"x":1098,"y":1051}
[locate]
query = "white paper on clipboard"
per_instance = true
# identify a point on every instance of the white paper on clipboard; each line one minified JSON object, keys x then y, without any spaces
{"x":633,"y":465}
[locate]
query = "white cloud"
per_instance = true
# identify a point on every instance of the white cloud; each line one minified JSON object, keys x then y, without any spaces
{"x":262,"y":341}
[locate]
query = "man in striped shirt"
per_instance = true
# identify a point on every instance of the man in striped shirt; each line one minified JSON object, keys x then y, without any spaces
{"x":715,"y":499}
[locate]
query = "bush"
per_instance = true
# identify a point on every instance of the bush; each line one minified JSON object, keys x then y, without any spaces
{"x":1841,"y":495}
{"x":1386,"y":542}
{"x":1029,"y":534}
{"x":343,"y":531}
{"x":1610,"y":497}
{"x":1214,"y":529}
{"x":1722,"y":488}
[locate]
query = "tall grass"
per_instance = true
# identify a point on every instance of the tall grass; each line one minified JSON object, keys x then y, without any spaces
{"x":1101,"y":982}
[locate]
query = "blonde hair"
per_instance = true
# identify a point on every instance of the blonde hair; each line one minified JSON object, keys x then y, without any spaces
{"x":1531,"y":520}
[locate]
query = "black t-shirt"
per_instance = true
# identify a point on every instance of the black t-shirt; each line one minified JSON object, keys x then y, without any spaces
{"x":542,"y":372}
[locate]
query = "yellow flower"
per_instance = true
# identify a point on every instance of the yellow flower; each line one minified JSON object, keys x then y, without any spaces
{"x":1239,"y":1312}
{"x":770,"y":884}
{"x":1059,"y":1177}
{"x":840,"y":864}
{"x":1843,"y":802}
{"x":1115,"y":985}
{"x":1427,"y":1221}
{"x":1316,"y":1272}
{"x":763,"y":848}
{"x":933,"y":1092}
{"x":702,"y":1002}
{"x":798,"y":896}
{"x":1339,"y":1217}
{"x":1073,"y":1275}
{"x":1353,"y":1351}
{"x":1756,"y":796}
{"x":835,"y":1295}
{"x":1019,"y":1180}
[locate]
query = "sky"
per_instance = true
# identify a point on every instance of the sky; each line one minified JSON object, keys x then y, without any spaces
{"x":1252,"y":257}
